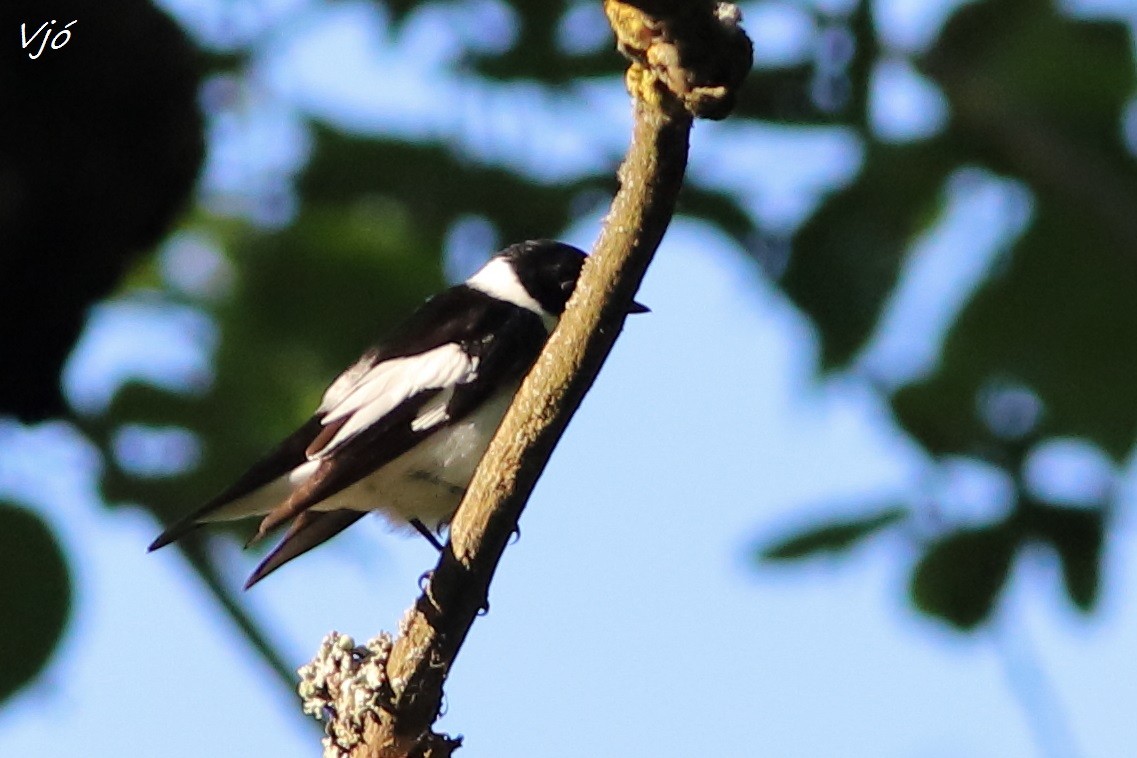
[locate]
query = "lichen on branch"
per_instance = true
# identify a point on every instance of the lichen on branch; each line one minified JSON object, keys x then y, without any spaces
{"x":689,"y":56}
{"x":342,"y":685}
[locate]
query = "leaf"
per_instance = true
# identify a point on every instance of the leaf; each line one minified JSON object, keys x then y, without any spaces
{"x":780,"y":95}
{"x":720,"y":209}
{"x":1041,"y":64}
{"x":435,"y":187}
{"x":537,"y":55}
{"x":847,"y":258}
{"x":1059,"y":319}
{"x":1038,"y":96}
{"x":35,"y":593}
{"x":1077,"y":535}
{"x":960,"y":576}
{"x":833,"y":537}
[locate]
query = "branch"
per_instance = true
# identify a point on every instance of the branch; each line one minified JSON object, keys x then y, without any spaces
{"x":688,"y":59}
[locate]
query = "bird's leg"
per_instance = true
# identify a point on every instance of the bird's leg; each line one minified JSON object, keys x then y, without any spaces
{"x":421,"y":529}
{"x":424,"y":584}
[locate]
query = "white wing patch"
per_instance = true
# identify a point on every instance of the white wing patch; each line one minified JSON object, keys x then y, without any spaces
{"x":434,"y":412}
{"x":365,"y":398}
{"x":346,"y":382}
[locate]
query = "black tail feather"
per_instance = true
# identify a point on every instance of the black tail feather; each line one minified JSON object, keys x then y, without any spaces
{"x":309,"y":529}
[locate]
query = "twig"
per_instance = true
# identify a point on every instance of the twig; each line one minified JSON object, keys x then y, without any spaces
{"x":1046,"y":719}
{"x":688,"y":59}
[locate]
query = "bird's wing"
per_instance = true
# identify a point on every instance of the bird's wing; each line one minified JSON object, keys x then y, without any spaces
{"x":386,"y":412}
{"x":342,"y":458}
{"x":372,"y":385}
{"x":276,"y":463}
{"x":377,"y":393}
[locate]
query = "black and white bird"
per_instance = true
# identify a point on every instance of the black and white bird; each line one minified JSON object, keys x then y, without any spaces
{"x":402,"y":430}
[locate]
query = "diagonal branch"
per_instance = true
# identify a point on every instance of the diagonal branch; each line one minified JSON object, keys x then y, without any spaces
{"x":688,"y":58}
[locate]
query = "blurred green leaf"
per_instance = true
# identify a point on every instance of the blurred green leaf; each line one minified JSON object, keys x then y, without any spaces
{"x":35,"y":595}
{"x":1059,"y":319}
{"x":1038,"y":96}
{"x":847,"y":257}
{"x":1077,"y":535}
{"x":832,"y":537}
{"x":961,"y":574}
{"x":919,"y":409}
{"x":435,"y":186}
{"x":780,"y":94}
{"x":720,"y":209}
{"x":536,"y":54}
{"x":1024,"y":60}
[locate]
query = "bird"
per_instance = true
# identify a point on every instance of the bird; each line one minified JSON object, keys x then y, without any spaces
{"x":402,"y":429}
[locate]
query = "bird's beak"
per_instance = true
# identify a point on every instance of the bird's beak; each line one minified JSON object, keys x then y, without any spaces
{"x":638,"y":308}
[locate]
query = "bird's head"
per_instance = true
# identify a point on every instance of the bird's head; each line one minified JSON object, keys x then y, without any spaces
{"x":547,"y":271}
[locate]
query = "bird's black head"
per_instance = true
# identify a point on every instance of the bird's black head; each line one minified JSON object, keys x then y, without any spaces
{"x":548,"y":271}
{"x":538,"y":275}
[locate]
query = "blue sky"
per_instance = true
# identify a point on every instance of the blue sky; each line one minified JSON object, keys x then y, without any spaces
{"x":628,"y":619}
